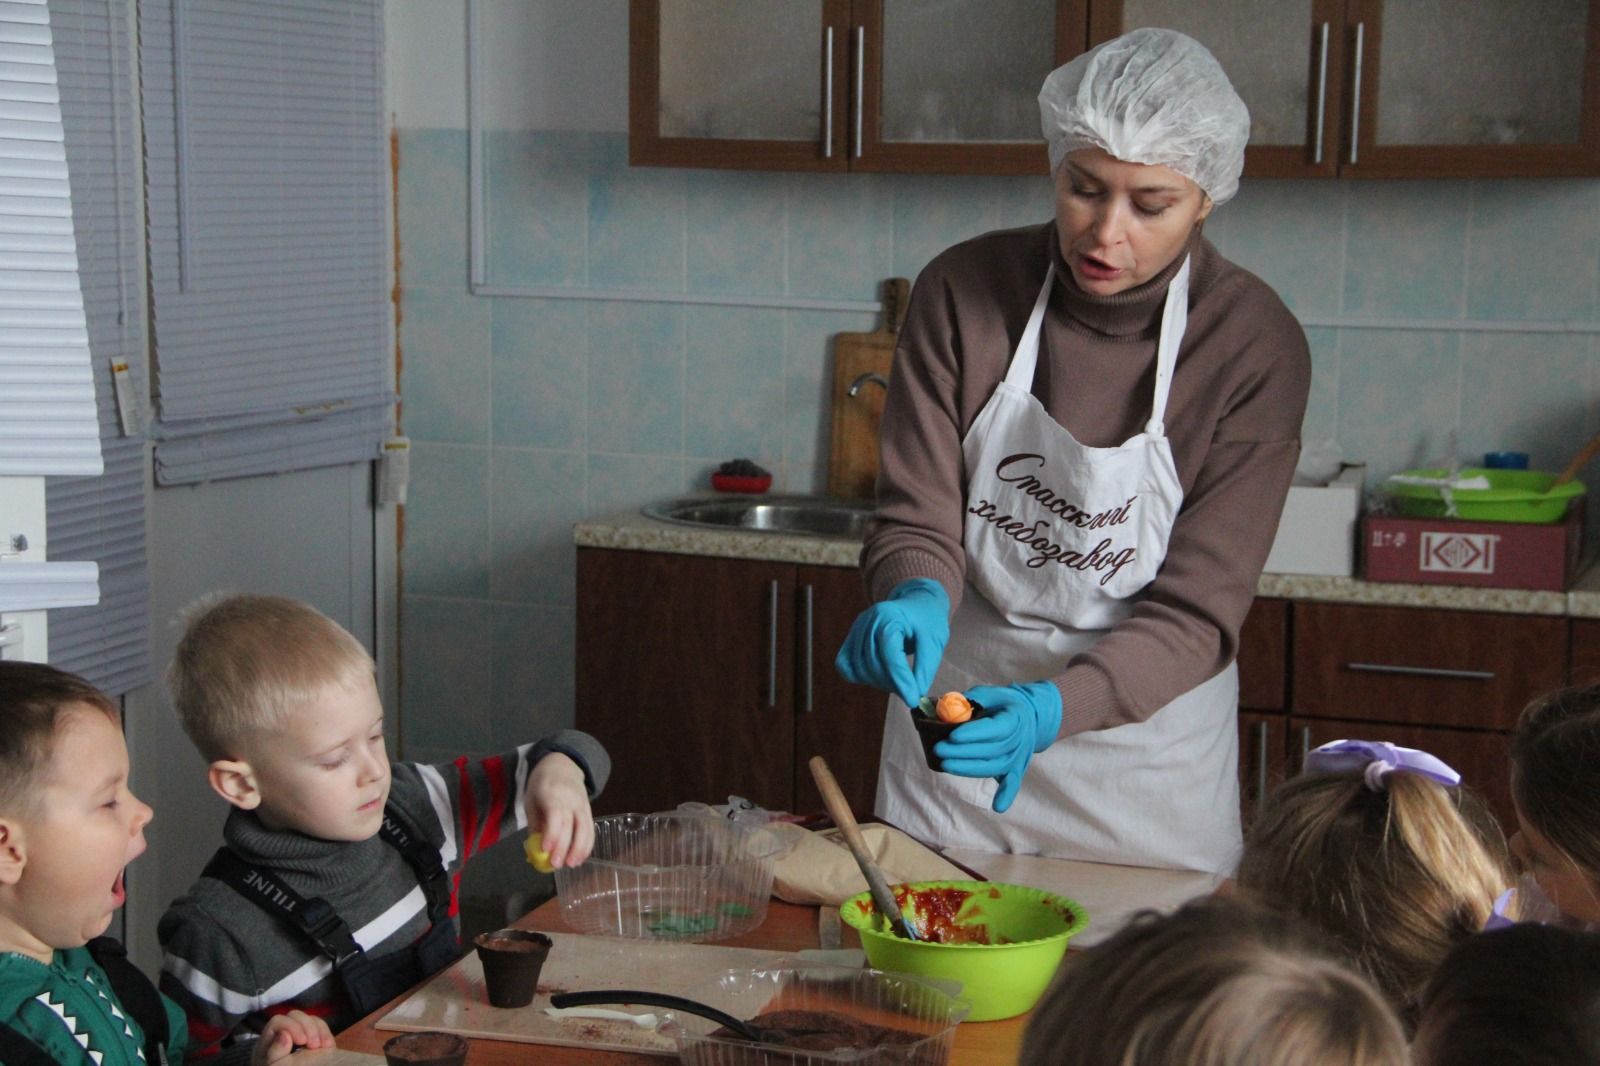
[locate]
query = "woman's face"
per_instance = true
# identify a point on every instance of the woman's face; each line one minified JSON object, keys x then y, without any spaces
{"x":1120,"y":223}
{"x":1570,"y":888}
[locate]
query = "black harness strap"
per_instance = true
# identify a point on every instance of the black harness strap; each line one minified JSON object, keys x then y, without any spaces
{"x":18,"y":1050}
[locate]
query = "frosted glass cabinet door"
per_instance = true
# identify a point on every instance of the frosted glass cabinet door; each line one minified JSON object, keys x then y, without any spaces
{"x":954,"y":85}
{"x":1494,"y":88}
{"x":738,"y":83}
{"x":1283,"y":58}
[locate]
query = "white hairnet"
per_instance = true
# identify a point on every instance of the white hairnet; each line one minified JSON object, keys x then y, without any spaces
{"x":1150,"y":96}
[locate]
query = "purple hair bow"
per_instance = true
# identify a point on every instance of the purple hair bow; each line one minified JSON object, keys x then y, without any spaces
{"x":1377,"y":760}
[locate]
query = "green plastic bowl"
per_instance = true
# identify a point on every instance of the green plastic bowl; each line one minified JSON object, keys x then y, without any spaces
{"x":1026,"y":931}
{"x":1512,"y":496}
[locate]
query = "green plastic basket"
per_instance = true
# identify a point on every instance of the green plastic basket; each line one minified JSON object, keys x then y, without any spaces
{"x":1512,"y":496}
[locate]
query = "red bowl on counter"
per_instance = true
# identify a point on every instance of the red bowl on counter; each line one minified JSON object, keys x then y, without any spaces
{"x":735,"y":483}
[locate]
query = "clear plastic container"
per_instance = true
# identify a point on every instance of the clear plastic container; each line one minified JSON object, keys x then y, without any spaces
{"x":928,"y":1011}
{"x":671,"y":876}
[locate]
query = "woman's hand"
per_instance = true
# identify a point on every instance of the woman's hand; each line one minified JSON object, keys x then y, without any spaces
{"x":1019,"y":720}
{"x":914,"y":620}
{"x":286,"y":1033}
{"x":557,"y":805}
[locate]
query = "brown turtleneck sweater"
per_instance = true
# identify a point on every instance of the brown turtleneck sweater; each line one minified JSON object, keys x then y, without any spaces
{"x":1233,"y":420}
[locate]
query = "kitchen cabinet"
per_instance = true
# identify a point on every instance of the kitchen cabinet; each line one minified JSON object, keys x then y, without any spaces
{"x":708,"y":677}
{"x":1361,"y":88}
{"x":1585,"y":650}
{"x":871,"y":85}
{"x":1263,"y":695}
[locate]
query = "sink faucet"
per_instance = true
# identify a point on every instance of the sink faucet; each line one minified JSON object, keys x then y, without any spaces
{"x":864,"y":379}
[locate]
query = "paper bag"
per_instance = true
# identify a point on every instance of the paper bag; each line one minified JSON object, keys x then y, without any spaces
{"x":820,"y":869}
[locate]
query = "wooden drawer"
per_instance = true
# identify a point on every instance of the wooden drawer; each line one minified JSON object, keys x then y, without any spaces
{"x":1263,"y":746}
{"x":1482,"y":759}
{"x":1264,"y":656}
{"x":1404,"y":664}
{"x":1585,"y":650}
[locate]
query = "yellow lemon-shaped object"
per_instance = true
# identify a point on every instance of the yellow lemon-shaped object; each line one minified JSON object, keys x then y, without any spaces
{"x":538,"y":858}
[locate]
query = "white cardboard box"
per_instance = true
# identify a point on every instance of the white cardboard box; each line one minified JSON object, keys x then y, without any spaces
{"x":1317,"y":533}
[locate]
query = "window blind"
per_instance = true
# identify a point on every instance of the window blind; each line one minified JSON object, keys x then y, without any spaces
{"x":103,"y":518}
{"x":266,"y":178}
{"x":48,"y":422}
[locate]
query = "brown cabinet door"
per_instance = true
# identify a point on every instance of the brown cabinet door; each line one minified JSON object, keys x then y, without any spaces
{"x":1405,"y":664}
{"x":1263,"y":743}
{"x":682,"y":675}
{"x":1482,"y":759}
{"x":1263,"y":656}
{"x":953,"y":87}
{"x":756,"y":85}
{"x":1284,"y":58}
{"x":1585,"y":650}
{"x":837,"y":720}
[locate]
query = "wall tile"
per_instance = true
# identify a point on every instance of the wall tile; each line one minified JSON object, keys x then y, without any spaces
{"x":934,"y":211}
{"x":537,"y":193}
{"x":1322,"y":406}
{"x":540,"y":373}
{"x":636,"y":220}
{"x":628,"y":482}
{"x":1290,"y":234}
{"x":839,"y":235}
{"x":1405,"y":249}
{"x":431,"y":206}
{"x":735,"y":233}
{"x":446,"y":546}
{"x":1524,"y":392}
{"x":733,"y":382}
{"x":1017,"y":201}
{"x":532,"y":679}
{"x":444,"y":370}
{"x":1532,"y":250}
{"x":636,"y":378}
{"x":807,"y":381}
{"x":444,"y":685}
{"x":537,"y":498}
{"x":1399,"y":398}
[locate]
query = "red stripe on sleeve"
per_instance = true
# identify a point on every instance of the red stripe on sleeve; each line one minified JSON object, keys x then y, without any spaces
{"x":466,"y":809}
{"x":494,"y":769}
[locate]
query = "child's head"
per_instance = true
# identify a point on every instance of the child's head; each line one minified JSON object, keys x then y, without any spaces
{"x":1394,"y":867}
{"x":68,"y":823}
{"x":1524,"y":996}
{"x":1555,"y":782}
{"x":1221,"y":982}
{"x":281,"y":700}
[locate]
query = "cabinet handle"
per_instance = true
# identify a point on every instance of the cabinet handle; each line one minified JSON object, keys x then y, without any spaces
{"x":772,"y":643}
{"x":827,"y":94}
{"x":1261,"y":766}
{"x":1322,"y":92}
{"x":806,"y":597}
{"x":1305,"y":745}
{"x":861,"y":77}
{"x":1355,"y":98}
{"x":1420,"y":671}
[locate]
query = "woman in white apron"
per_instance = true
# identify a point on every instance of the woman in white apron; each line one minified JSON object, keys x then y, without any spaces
{"x":1097,"y":602}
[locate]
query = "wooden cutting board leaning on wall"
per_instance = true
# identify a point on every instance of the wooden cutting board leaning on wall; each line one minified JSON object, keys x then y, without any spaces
{"x":853,"y":451}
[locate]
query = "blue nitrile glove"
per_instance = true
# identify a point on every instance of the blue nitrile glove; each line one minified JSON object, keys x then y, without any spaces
{"x":1019,"y":721}
{"x":915,"y":619}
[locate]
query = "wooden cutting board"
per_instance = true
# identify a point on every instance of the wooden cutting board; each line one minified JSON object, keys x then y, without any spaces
{"x":853,"y":451}
{"x":455,"y":1000}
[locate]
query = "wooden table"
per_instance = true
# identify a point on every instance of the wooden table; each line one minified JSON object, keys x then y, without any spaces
{"x":1109,"y":893}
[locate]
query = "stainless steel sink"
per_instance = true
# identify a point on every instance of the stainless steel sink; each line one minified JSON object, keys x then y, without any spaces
{"x":815,"y":516}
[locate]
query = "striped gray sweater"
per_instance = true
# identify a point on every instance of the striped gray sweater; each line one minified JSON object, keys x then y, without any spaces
{"x":231,"y":966}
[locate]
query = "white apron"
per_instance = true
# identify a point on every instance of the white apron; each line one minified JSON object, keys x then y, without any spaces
{"x":1060,"y":539}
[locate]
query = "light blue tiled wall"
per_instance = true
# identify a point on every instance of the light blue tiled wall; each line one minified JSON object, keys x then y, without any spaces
{"x":528,"y":414}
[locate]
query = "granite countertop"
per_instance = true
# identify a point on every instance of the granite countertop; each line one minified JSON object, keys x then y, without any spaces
{"x":630,"y":530}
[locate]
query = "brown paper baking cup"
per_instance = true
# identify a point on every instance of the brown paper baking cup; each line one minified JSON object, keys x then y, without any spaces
{"x":425,"y":1049}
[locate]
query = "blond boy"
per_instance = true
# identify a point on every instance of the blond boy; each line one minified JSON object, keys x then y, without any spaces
{"x":336,"y":887}
{"x":69,"y":826}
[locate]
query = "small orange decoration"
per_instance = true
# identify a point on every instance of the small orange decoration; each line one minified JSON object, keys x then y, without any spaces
{"x":953,"y":707}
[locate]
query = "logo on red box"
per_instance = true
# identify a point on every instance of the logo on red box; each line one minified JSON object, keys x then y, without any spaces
{"x":1458,"y":553}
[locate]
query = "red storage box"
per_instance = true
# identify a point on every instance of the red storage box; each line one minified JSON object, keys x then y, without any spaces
{"x":1448,"y":551}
